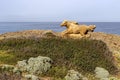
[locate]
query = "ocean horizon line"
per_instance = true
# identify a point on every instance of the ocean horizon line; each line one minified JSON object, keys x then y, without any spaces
{"x":56,"y":22}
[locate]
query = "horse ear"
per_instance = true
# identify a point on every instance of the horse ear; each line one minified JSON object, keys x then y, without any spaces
{"x":75,"y":22}
{"x":94,"y":26}
{"x":65,"y":20}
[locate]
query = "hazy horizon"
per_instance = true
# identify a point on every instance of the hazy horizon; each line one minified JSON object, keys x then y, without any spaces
{"x":59,"y":10}
{"x":57,"y":21}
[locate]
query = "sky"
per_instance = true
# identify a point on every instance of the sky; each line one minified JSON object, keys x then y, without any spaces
{"x":59,"y":10}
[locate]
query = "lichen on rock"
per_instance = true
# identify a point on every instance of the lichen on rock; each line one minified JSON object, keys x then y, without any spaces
{"x":101,"y":73}
{"x":31,"y":77}
{"x":36,"y":65}
{"x":74,"y":75}
{"x":22,"y":65}
{"x":7,"y":67}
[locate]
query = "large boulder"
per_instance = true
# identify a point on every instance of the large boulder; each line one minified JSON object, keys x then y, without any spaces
{"x":36,"y":65}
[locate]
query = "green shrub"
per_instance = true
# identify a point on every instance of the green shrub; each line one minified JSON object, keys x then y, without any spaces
{"x":83,"y":54}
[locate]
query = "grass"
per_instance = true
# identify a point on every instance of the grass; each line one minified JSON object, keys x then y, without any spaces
{"x":9,"y":76}
{"x":82,"y":55}
{"x":6,"y":57}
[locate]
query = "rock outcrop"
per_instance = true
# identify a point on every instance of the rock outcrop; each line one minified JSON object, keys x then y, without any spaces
{"x":74,"y":75}
{"x":29,"y":34}
{"x":102,"y":73}
{"x":36,"y":65}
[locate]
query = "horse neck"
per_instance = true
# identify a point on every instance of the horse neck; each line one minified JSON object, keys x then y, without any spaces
{"x":69,"y":24}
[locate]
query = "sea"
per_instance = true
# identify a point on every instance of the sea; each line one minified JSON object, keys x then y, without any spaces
{"x":107,"y":27}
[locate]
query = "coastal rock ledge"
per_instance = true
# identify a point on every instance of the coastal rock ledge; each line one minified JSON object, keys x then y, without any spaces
{"x":112,"y":40}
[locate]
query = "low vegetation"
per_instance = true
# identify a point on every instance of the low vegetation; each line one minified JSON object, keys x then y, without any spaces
{"x":82,"y":55}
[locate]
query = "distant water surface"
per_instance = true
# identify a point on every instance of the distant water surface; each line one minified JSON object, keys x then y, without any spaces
{"x":107,"y":27}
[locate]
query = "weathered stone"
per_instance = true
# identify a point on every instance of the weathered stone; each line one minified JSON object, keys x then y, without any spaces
{"x":17,"y":71}
{"x":31,"y":77}
{"x":7,"y":67}
{"x":101,"y":73}
{"x":36,"y":65}
{"x":22,"y":65}
{"x":74,"y":75}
